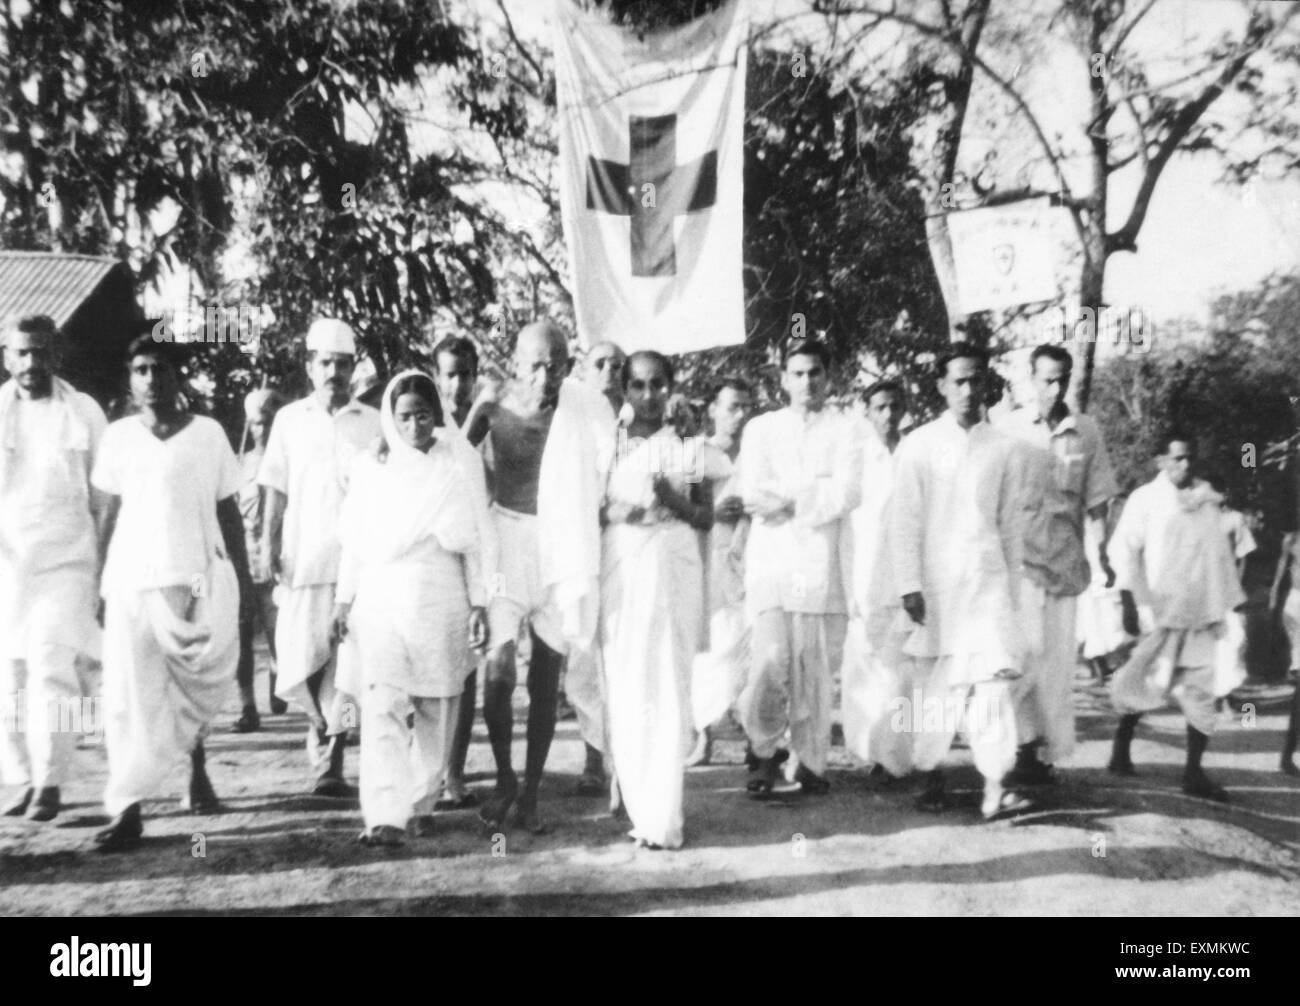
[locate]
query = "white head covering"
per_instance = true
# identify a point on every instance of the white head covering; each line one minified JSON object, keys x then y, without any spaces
{"x":411,"y":496}
{"x":329,"y":335}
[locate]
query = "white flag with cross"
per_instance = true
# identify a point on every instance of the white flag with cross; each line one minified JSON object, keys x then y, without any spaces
{"x":651,"y":159}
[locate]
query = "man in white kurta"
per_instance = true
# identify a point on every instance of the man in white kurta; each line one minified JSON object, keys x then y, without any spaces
{"x":874,"y":678}
{"x":801,"y":476}
{"x":719,"y":674}
{"x":313,"y":444}
{"x":173,"y":574}
{"x":1171,"y":554}
{"x":1068,"y":483}
{"x":955,"y":542}
{"x":583,"y":676}
{"x":49,"y":434}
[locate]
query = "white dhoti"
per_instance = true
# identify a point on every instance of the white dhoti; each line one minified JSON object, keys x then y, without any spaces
{"x":652,"y":593}
{"x":517,"y":593}
{"x":941,"y":703}
{"x":874,"y":685}
{"x":583,"y":686}
{"x":790,"y":683}
{"x":40,"y":690}
{"x":718,"y":675}
{"x":402,"y":769}
{"x":302,"y":647}
{"x":1044,"y":697}
{"x":165,"y":679}
{"x":1171,"y":664}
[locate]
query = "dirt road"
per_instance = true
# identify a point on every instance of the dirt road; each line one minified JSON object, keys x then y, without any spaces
{"x":1095,"y":845}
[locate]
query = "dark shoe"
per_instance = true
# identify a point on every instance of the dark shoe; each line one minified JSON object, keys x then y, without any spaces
{"x":1121,"y":766}
{"x":278,"y":707}
{"x":768,"y":780}
{"x":17,"y":807}
{"x":46,"y":805}
{"x":590,"y":784}
{"x":1029,"y":771}
{"x":330,"y":782}
{"x":248,"y":721}
{"x":1197,"y":783}
{"x":810,"y":782}
{"x":934,"y":798}
{"x":201,"y":798}
{"x":385,"y":835}
{"x":123,"y":834}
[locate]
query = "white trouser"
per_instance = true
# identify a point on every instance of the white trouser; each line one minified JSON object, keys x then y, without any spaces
{"x":718,"y":676}
{"x":936,"y":710}
{"x":1045,"y":697}
{"x":582,"y":684}
{"x":402,"y":769}
{"x":37,"y":695}
{"x":874,"y":686}
{"x":790,"y":683}
{"x":1170,"y":664}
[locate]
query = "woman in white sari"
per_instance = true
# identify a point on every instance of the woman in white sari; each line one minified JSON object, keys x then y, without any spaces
{"x":412,"y":594}
{"x":652,"y":605}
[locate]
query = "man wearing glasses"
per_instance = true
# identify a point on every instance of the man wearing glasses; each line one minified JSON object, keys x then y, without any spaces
{"x":540,"y":445}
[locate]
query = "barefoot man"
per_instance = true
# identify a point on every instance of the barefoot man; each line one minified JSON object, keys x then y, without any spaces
{"x":541,"y":443}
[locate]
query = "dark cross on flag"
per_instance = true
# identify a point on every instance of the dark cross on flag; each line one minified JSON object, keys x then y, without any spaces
{"x":677,"y":189}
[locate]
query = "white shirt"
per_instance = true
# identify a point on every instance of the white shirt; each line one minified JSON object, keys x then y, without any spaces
{"x":45,"y":464}
{"x":307,"y":458}
{"x":955,"y":536}
{"x":167,"y":530}
{"x":798,"y":565}
{"x":872,"y":584}
{"x":1169,"y":548}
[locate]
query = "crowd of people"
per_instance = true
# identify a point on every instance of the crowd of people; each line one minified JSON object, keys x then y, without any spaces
{"x":573,"y":521}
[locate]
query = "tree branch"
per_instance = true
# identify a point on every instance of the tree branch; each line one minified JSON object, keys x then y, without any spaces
{"x":1258,"y":32}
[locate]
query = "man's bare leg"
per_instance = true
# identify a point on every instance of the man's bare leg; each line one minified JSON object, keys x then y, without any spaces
{"x":1288,"y":764}
{"x":498,"y":689}
{"x":543,"y":697}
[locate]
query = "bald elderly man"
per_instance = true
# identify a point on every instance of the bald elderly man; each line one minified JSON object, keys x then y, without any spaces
{"x":49,"y":512}
{"x":541,"y":440}
{"x":308,"y":455}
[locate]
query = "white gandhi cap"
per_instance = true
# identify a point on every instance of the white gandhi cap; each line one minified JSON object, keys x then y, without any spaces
{"x":329,"y":335}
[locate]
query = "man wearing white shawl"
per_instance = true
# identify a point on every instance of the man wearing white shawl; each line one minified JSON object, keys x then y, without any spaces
{"x":312,"y":446}
{"x":541,"y":442}
{"x":412,"y":592}
{"x":1170,"y":552}
{"x":652,"y":604}
{"x":172,"y":581}
{"x":801,"y":475}
{"x":49,"y":435}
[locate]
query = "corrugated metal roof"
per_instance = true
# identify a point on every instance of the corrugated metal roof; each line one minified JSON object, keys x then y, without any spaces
{"x":48,"y":282}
